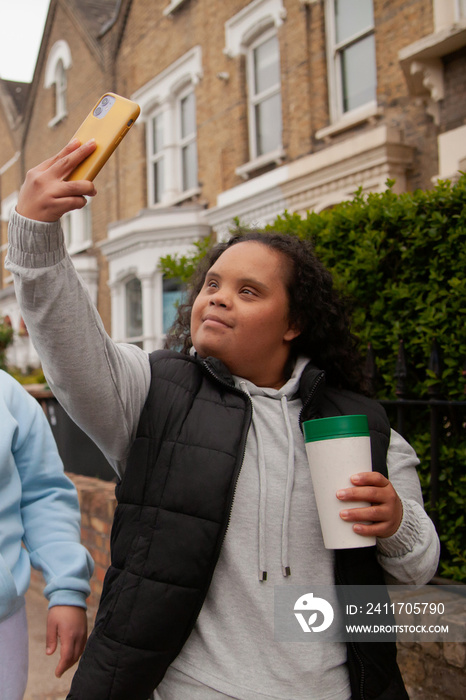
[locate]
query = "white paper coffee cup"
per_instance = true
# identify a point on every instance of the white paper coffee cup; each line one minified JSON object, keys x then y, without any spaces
{"x":337,"y":448}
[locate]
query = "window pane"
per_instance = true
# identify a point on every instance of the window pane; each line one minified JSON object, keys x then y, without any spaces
{"x":352,"y":16}
{"x":66,"y":227}
{"x":157,"y":133}
{"x":133,"y":308}
{"x":268,"y":125}
{"x":172,"y":292}
{"x":266,"y":65}
{"x":188,"y":115}
{"x":158,"y":180}
{"x":60,"y":89}
{"x":189,"y":157}
{"x":61,"y":76}
{"x":358,"y":71}
{"x":87,"y":221}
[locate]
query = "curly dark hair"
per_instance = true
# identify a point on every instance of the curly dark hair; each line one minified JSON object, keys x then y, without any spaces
{"x":315,"y":307}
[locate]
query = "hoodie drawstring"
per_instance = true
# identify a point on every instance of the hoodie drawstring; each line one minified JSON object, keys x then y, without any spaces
{"x":288,"y":490}
{"x":263,"y":491}
{"x":262,"y":504}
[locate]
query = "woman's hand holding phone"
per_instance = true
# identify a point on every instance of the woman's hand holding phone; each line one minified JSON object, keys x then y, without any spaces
{"x":46,"y":195}
{"x":60,"y":184}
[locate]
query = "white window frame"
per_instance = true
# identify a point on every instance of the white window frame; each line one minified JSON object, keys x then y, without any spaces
{"x":185,"y":141}
{"x":154,"y":158}
{"x":249,"y":22}
{"x":8,"y":205}
{"x":256,"y":98}
{"x":173,"y":5}
{"x":58,"y":63}
{"x":335,"y":82}
{"x":447,"y":13}
{"x":162,"y":95}
{"x":77,"y":229}
{"x":136,"y":339}
{"x":460,"y":10}
{"x":61,"y":86}
{"x":242,"y":31}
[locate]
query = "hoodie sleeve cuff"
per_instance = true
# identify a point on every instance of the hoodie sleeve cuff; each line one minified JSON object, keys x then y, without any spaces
{"x":68,"y":597}
{"x":405,"y":538}
{"x":34,"y":244}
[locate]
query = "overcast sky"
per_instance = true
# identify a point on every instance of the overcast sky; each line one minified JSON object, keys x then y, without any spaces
{"x":21,"y":26}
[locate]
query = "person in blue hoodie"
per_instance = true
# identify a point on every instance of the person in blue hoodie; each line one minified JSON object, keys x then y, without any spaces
{"x":39,"y":526}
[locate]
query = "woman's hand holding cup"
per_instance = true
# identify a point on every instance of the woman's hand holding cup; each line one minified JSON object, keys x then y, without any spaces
{"x":383,"y":516}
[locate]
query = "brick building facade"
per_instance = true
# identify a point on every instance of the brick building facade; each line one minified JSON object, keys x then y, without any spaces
{"x":248,"y":108}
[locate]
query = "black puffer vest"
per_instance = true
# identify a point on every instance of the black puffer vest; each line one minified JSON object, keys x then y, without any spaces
{"x":173,"y":509}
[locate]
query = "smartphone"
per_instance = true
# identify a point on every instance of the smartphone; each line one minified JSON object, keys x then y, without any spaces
{"x":108,"y":122}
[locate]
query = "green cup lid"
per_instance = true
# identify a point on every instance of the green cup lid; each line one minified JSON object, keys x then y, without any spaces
{"x":335,"y":427}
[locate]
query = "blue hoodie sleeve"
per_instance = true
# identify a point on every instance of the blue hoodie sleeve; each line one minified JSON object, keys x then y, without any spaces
{"x":49,"y":507}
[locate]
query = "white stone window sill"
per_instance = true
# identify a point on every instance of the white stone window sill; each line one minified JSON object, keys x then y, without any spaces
{"x":350,"y":120}
{"x":57,"y":119}
{"x":436,"y":45}
{"x":174,"y":5}
{"x":131,"y":341}
{"x":75,"y":248}
{"x":177,"y":199}
{"x":277,"y":157}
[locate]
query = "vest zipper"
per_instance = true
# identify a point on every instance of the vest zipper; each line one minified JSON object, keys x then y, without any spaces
{"x":361,"y":681}
{"x":320,"y":378}
{"x":355,"y":650}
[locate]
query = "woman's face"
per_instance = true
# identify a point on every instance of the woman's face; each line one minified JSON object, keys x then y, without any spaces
{"x":241,"y":313}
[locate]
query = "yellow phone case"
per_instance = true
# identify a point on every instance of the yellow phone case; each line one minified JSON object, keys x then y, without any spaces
{"x":108,"y":131}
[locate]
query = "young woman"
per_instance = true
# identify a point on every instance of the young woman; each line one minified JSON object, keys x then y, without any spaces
{"x":216,"y":505}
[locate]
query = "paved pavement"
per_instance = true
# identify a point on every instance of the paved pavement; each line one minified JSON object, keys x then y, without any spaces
{"x":42,"y":683}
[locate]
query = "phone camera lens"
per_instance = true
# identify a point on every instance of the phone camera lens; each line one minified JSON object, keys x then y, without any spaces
{"x":97,"y":111}
{"x":105,"y":101}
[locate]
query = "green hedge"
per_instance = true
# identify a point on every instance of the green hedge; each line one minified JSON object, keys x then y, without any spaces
{"x":401,"y":259}
{"x":6,"y":337}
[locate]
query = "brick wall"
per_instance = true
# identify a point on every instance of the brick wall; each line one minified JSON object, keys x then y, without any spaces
{"x":453,"y":106}
{"x":97,"y":502}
